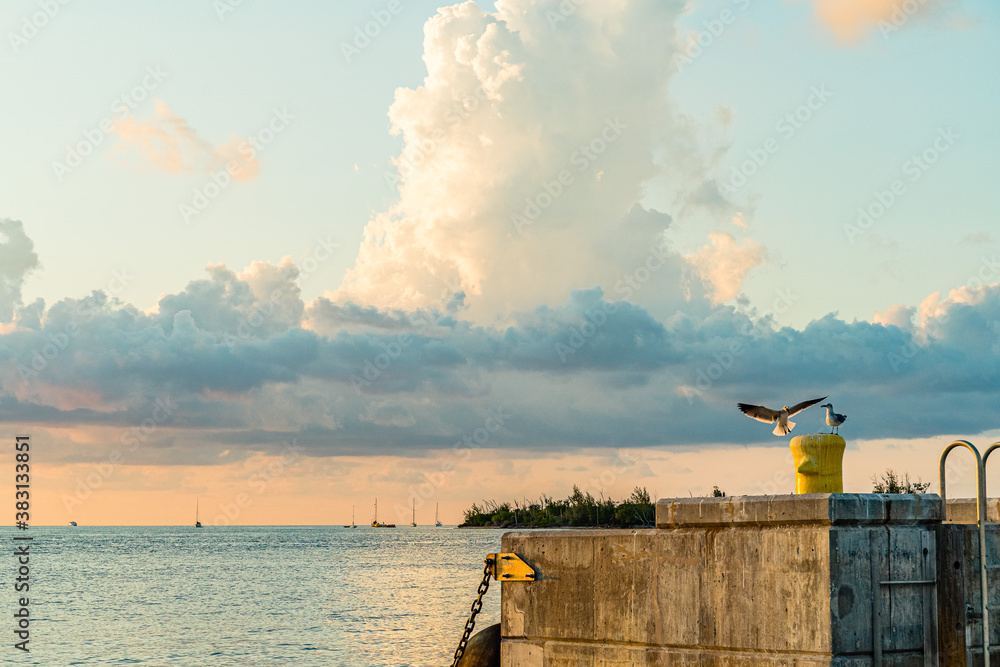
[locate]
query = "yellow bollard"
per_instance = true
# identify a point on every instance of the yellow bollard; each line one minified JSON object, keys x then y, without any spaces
{"x":819,"y":463}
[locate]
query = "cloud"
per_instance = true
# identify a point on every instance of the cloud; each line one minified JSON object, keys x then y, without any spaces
{"x":260,"y":302}
{"x":383,"y":413}
{"x":17,"y":260}
{"x":851,"y":20}
{"x":977,"y":238}
{"x":524,"y":151}
{"x":709,"y":196}
{"x":230,"y":357}
{"x":724,"y":262}
{"x":168,"y":142}
{"x":899,"y":315}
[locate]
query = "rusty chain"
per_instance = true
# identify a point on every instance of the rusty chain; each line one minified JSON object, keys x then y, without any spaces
{"x":477,"y":606}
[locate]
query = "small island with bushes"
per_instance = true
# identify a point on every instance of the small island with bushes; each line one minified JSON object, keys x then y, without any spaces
{"x":580,"y":509}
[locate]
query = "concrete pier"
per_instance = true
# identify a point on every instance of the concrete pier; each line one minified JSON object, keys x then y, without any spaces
{"x":853,"y":580}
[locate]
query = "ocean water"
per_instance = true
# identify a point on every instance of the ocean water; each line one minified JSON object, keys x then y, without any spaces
{"x":249,"y":595}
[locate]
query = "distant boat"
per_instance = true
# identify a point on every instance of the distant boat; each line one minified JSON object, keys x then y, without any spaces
{"x":437,"y":516}
{"x":376,"y":524}
{"x":352,"y":519}
{"x":72,"y":523}
{"x":197,"y":523}
{"x":413,"y":516}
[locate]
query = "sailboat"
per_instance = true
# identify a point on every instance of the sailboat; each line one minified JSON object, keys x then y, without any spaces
{"x":376,"y":524}
{"x":352,"y":519}
{"x":413,"y":515}
{"x":437,"y":516}
{"x":197,"y":523}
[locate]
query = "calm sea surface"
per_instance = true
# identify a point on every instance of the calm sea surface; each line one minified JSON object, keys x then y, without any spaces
{"x":248,"y":595}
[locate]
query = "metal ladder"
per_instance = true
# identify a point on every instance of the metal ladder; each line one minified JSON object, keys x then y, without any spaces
{"x":981,"y":520}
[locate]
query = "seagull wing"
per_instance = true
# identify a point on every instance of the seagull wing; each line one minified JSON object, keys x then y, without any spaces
{"x":759,"y":412}
{"x":795,"y":409}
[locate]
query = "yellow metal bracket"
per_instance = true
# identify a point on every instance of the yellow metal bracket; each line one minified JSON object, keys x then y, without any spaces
{"x":510,"y":567}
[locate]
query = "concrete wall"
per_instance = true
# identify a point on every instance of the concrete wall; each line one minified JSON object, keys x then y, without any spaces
{"x":963,"y":510}
{"x":752,"y":581}
{"x":959,"y":585}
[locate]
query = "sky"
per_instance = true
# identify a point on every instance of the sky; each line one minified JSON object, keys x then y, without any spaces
{"x":283,"y":260}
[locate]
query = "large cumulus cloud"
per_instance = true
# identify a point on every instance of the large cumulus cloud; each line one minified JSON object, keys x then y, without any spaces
{"x":524,"y":156}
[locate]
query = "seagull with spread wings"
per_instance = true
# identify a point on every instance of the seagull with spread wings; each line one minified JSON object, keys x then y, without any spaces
{"x":769,"y":416}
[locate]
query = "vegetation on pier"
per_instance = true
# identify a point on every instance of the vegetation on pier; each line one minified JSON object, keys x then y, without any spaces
{"x":579,"y":509}
{"x":891,"y":482}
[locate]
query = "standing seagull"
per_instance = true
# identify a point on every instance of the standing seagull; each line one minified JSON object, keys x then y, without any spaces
{"x":833,"y":420}
{"x":769,"y":416}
